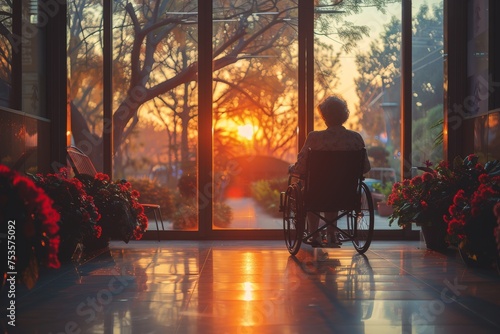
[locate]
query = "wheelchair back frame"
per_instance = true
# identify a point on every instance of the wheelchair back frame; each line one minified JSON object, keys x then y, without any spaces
{"x":333,"y":183}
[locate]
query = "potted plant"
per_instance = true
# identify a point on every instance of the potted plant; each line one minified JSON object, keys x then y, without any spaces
{"x":471,"y":217}
{"x":78,"y":223}
{"x":424,"y":200}
{"x":122,"y":216}
{"x":383,"y":208}
{"x":496,"y":212}
{"x":29,"y":222}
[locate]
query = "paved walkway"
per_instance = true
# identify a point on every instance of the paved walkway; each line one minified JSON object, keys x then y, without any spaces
{"x":248,"y":214}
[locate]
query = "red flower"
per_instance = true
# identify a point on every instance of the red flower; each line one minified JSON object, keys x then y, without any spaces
{"x":471,"y":157}
{"x":426,"y":177}
{"x":417,"y":180}
{"x":428,"y":163}
{"x":455,"y":226}
{"x":102,"y":177}
{"x":97,"y":231}
{"x":407,"y":195}
{"x":444,"y":164}
{"x":496,"y":210}
{"x":53,"y":261}
{"x":483,"y":178}
{"x":459,"y":196}
{"x":41,"y":219}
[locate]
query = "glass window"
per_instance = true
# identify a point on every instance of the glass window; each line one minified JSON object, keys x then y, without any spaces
{"x":427,"y":68}
{"x":27,"y":41}
{"x":366,"y":72}
{"x":85,"y":77}
{"x":478,"y":71}
{"x":156,"y":105}
{"x":33,"y":73}
{"x":357,"y":56}
{"x":6,"y":46}
{"x":254,"y":110}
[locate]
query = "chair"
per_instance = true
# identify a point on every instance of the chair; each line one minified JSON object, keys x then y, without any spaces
{"x":81,"y":164}
{"x":333,"y":183}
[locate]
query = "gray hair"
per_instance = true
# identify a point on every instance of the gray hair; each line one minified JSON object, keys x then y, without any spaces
{"x":334,"y":111}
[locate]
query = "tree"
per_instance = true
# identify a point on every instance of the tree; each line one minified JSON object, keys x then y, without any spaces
{"x":379,"y":78}
{"x":379,"y":71}
{"x":155,"y":55}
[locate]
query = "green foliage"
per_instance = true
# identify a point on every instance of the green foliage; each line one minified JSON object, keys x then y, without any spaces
{"x":187,"y":185}
{"x":380,"y":156}
{"x":384,"y":189}
{"x":379,"y":80}
{"x":267,"y":194}
{"x":152,"y":192}
{"x":223,"y":214}
{"x":186,"y":215}
{"x":425,"y":132}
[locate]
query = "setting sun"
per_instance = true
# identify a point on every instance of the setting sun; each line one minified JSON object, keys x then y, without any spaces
{"x":246,"y":131}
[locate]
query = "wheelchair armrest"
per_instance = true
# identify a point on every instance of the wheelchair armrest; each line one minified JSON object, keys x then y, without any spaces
{"x":292,"y":176}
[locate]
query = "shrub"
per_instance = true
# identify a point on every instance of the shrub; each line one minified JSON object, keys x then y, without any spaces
{"x":152,"y":192}
{"x":267,"y":194}
{"x":186,"y":216}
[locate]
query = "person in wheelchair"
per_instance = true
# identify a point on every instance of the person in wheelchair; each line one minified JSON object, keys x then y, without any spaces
{"x":336,"y":137}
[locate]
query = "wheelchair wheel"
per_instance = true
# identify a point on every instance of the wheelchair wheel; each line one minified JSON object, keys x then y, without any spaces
{"x":361,"y":223}
{"x":293,"y":219}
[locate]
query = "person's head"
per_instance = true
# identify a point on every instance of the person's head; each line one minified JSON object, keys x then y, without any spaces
{"x":334,"y":111}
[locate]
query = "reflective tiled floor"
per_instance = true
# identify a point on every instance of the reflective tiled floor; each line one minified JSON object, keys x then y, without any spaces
{"x":256,"y":287}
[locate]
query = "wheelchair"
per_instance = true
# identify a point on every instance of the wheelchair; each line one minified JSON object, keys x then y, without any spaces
{"x":333,"y":182}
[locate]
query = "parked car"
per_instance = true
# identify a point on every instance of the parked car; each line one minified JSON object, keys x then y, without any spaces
{"x":383,"y":174}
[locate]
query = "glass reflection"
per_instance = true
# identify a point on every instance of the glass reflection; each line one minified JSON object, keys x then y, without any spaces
{"x":249,"y":288}
{"x":494,"y":136}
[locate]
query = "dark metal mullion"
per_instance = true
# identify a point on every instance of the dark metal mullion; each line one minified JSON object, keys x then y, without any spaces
{"x":107,"y":134}
{"x":406,"y":96}
{"x":406,"y":89}
{"x":205,"y":99}
{"x":309,"y":52}
{"x":455,"y":70}
{"x":56,"y":83}
{"x":302,"y":75}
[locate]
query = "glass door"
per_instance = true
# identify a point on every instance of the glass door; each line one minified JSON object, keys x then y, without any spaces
{"x":255,"y":108}
{"x":358,"y":54}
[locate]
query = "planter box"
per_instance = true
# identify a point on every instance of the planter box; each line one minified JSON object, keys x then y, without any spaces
{"x":435,"y":236}
{"x":384,"y":210}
